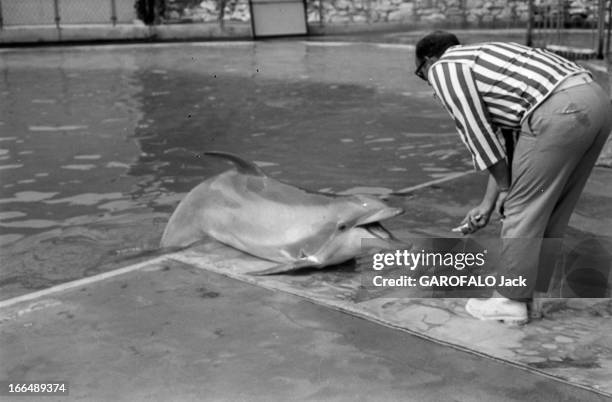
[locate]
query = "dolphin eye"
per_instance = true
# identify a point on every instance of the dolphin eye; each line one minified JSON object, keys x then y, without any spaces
{"x":342,"y":227}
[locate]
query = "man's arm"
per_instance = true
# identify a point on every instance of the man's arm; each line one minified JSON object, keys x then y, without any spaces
{"x":501,"y":175}
{"x":455,"y":86}
{"x":497,"y":187}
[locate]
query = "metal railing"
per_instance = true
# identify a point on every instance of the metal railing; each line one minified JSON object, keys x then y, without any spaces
{"x":574,"y":32}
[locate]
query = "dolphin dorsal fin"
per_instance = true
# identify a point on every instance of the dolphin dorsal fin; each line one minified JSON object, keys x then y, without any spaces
{"x":244,"y":167}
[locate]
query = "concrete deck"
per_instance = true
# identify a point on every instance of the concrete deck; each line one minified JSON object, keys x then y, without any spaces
{"x":170,"y":331}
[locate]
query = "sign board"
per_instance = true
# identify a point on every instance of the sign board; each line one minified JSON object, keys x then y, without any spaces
{"x":278,"y":17}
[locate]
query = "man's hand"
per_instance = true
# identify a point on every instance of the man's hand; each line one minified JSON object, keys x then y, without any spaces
{"x":493,"y":200}
{"x":477,"y":218}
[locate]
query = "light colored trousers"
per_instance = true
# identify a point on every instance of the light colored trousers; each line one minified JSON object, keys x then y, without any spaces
{"x":555,"y":153}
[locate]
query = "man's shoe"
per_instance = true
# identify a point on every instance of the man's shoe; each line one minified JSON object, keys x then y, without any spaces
{"x":498,"y":308}
{"x":535,"y":307}
{"x":535,"y":310}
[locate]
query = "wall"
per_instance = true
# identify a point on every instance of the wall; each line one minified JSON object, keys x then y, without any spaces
{"x":477,"y":13}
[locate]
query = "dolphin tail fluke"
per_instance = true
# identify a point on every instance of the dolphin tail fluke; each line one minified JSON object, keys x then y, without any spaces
{"x":244,"y":167}
{"x":283,"y":268}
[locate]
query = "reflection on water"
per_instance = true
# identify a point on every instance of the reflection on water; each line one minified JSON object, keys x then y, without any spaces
{"x":98,"y":145}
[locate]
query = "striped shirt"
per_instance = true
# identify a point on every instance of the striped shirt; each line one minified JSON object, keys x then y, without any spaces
{"x":495,"y":85}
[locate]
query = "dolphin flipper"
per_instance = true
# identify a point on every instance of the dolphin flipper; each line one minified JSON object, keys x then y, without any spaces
{"x":283,"y":268}
{"x":244,"y":167}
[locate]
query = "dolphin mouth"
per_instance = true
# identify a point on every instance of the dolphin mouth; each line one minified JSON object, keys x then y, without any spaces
{"x":377,"y":230}
{"x":380,"y":215}
{"x":383,"y":239}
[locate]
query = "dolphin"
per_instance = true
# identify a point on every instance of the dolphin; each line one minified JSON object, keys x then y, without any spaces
{"x":252,"y":212}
